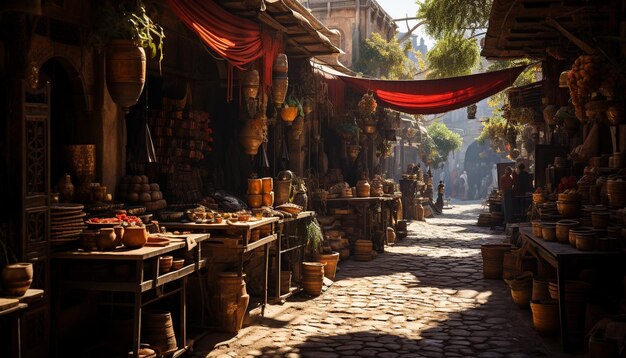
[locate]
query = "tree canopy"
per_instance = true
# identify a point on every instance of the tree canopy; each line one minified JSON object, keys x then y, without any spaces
{"x":453,"y":56}
{"x":445,"y":17}
{"x":385,"y":59}
{"x":445,"y":141}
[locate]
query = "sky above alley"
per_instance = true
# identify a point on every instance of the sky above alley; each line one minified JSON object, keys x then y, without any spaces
{"x":405,"y":8}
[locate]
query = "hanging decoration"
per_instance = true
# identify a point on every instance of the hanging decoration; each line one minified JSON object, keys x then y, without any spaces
{"x":367,"y":105}
{"x":280,"y":79}
{"x":471,"y":111}
{"x":250,"y":91}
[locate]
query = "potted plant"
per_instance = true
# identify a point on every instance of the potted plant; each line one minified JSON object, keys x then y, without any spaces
{"x":125,"y":31}
{"x":291,"y":109}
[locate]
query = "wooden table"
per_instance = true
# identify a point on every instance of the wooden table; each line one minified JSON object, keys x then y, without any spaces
{"x":369,"y":206}
{"x":245,"y":228}
{"x":100,"y":278}
{"x":565,"y":258}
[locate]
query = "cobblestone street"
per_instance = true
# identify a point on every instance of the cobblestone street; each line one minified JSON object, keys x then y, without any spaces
{"x":424,"y":297}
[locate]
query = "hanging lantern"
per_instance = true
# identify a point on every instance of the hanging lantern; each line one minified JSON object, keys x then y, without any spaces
{"x":280,"y":79}
{"x":250,"y":83}
{"x":471,"y":111}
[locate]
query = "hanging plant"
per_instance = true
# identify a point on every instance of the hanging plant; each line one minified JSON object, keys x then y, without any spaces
{"x":367,"y":105}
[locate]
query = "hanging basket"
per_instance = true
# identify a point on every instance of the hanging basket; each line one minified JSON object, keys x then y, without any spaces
{"x":251,"y":136}
{"x":471,"y":111}
{"x":280,"y":85}
{"x":125,"y":72}
{"x":288,"y":114}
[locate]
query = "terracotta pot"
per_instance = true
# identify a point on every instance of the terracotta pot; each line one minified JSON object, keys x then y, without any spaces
{"x":330,"y":261}
{"x":363,"y":189}
{"x":165,"y":263}
{"x":545,"y":316}
{"x":119,"y":234}
{"x":16,"y":278}
{"x":255,"y":200}
{"x":231,"y":301}
{"x":267,"y":185}
{"x":125,"y":72}
{"x":312,"y":277}
{"x":268,"y":199}
{"x":135,"y":237}
{"x":250,"y":138}
{"x":254,"y":186}
{"x":288,"y":114}
{"x":157,"y":328}
{"x":363,"y":250}
{"x":106,"y":240}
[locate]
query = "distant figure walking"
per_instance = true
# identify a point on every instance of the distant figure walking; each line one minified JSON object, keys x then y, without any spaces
{"x":506,"y":185}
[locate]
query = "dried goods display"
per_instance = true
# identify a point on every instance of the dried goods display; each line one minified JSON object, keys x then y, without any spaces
{"x":136,"y":189}
{"x":591,"y":77}
{"x":182,"y":141}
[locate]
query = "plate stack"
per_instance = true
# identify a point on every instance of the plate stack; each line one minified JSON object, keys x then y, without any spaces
{"x":66,"y":223}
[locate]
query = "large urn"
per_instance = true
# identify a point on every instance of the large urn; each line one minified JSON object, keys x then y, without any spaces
{"x":125,"y":72}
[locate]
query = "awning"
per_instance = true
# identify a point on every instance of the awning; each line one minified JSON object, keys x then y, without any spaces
{"x":434,"y":96}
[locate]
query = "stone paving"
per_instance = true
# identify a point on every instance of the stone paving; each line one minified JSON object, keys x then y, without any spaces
{"x":424,"y":297}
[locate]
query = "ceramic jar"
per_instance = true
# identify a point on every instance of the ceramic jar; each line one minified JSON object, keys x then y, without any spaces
{"x":16,"y":278}
{"x":135,"y":237}
{"x":65,"y":189}
{"x":106,"y":239}
{"x":363,"y":189}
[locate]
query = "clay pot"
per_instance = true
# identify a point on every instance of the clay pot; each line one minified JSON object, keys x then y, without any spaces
{"x":231,"y":302}
{"x":363,"y":189}
{"x":135,"y":237}
{"x":330,"y":264}
{"x":267,"y":185}
{"x":88,"y":239}
{"x":250,"y":138}
{"x":16,"y":278}
{"x":255,"y":200}
{"x":65,"y":189}
{"x":119,"y":233}
{"x":268,"y":199}
{"x":312,"y":278}
{"x":106,"y":241}
{"x":254,"y":186}
{"x":288,"y":114}
{"x":125,"y":72}
{"x":165,"y":263}
{"x":363,"y":250}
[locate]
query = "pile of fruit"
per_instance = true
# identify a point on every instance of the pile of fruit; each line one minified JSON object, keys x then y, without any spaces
{"x":136,"y":189}
{"x":590,"y":75}
{"x":121,"y":219}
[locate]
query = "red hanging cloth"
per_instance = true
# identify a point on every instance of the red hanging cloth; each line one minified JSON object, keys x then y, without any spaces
{"x":236,"y":39}
{"x":435,"y":96}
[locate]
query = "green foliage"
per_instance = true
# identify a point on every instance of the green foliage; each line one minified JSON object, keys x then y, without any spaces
{"x":499,"y":131}
{"x":453,"y":56}
{"x":314,"y":236}
{"x":445,"y":141}
{"x":128,"y":20}
{"x":293,"y":101}
{"x":526,"y":77}
{"x":445,"y":17}
{"x":385,"y":59}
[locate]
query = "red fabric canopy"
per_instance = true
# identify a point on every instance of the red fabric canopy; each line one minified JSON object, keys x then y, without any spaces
{"x":435,"y":96}
{"x":236,"y":39}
